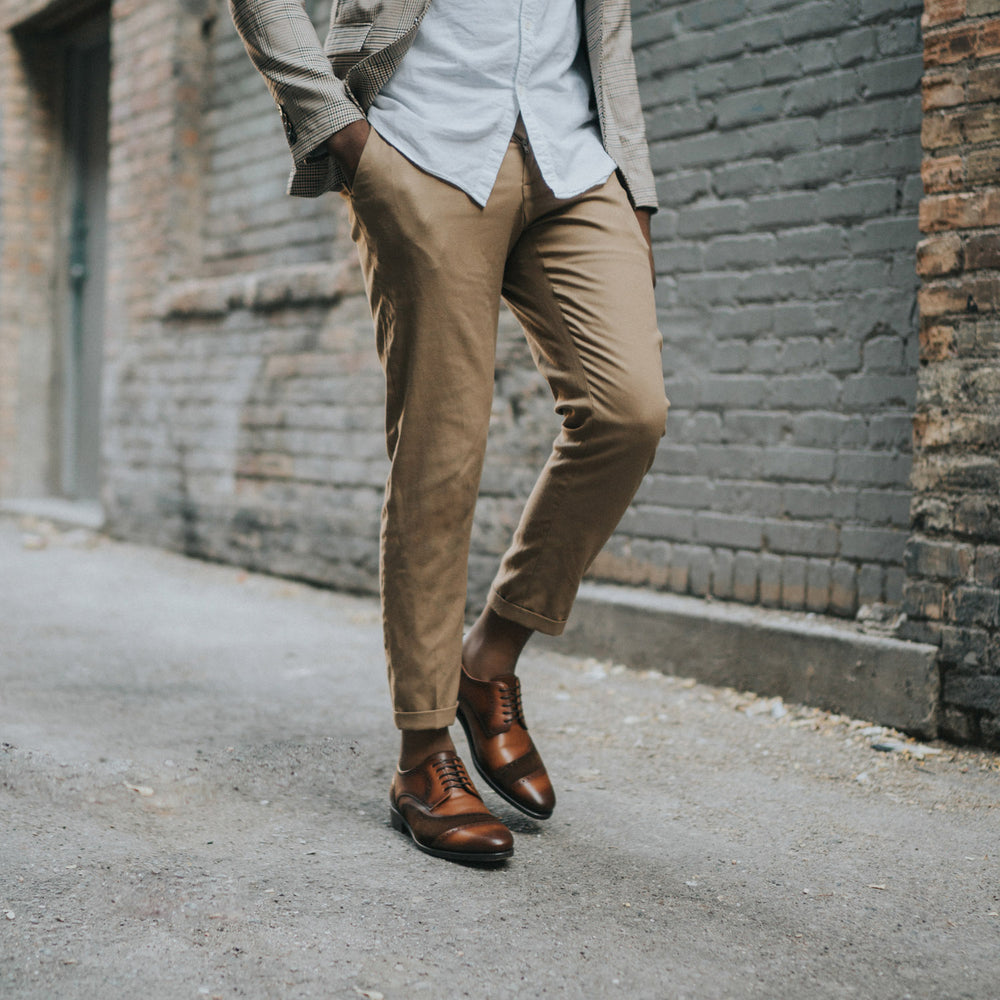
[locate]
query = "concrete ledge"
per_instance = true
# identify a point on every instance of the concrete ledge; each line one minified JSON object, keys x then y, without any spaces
{"x":68,"y":513}
{"x":803,"y":658}
{"x":276,"y":288}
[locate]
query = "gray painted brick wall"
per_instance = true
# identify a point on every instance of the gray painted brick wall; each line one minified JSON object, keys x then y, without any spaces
{"x":785,"y":138}
{"x":250,"y":223}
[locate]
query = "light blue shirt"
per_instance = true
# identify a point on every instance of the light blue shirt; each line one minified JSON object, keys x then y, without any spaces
{"x":452,"y":105}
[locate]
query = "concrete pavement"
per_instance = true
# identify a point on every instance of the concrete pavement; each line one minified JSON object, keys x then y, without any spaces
{"x":193,"y":785}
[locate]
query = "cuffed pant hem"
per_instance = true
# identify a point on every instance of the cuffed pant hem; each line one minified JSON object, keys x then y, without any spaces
{"x":522,"y":616}
{"x":435,"y":718}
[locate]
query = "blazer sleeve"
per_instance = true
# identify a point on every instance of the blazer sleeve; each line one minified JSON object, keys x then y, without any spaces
{"x":622,"y":123}
{"x":283,"y":45}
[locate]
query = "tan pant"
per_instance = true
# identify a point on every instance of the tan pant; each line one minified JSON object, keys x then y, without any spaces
{"x":575,"y":272}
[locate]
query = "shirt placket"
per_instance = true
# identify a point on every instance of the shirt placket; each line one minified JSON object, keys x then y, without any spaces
{"x":527,"y":22}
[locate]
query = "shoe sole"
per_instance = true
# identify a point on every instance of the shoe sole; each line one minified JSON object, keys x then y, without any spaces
{"x":487,"y":777}
{"x":473,"y":857}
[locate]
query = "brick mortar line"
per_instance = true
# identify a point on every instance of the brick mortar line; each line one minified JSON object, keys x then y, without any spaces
{"x":943,"y":284}
{"x":888,"y":17}
{"x":951,"y":195}
{"x":951,"y":109}
{"x":770,"y":87}
{"x":844,"y":144}
{"x":977,"y":20}
{"x":984,"y":62}
{"x":961,"y":233}
{"x":939,"y":152}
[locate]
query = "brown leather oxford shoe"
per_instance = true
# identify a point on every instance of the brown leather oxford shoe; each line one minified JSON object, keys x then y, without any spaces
{"x":503,"y":752}
{"x":439,"y":807}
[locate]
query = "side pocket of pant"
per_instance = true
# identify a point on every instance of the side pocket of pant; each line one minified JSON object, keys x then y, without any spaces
{"x":358,"y":187}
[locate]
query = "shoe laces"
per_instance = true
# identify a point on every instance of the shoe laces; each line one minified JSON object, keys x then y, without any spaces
{"x":510,"y":699}
{"x":452,"y":774}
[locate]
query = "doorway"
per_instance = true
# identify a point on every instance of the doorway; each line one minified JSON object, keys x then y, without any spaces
{"x":85,"y":70}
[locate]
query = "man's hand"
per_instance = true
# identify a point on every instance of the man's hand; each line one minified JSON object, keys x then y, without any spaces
{"x":643,"y":215}
{"x":347,"y":145}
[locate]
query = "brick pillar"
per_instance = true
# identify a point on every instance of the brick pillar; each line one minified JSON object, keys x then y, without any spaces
{"x":29,"y":163}
{"x":160,"y":71}
{"x":14,"y":242}
{"x":952,"y":591}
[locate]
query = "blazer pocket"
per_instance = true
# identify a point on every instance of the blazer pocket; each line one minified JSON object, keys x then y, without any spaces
{"x":344,"y":45}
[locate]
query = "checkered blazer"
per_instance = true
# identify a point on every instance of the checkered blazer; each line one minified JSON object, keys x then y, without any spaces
{"x":320,"y":90}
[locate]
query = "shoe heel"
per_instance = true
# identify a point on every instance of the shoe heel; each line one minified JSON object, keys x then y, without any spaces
{"x":397,"y":821}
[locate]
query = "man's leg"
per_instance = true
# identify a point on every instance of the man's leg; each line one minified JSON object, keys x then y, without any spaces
{"x":433,"y":264}
{"x":578,"y":279}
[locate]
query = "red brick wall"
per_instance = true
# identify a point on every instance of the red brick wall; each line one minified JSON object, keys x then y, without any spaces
{"x":26,"y":249}
{"x":952,"y":593}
